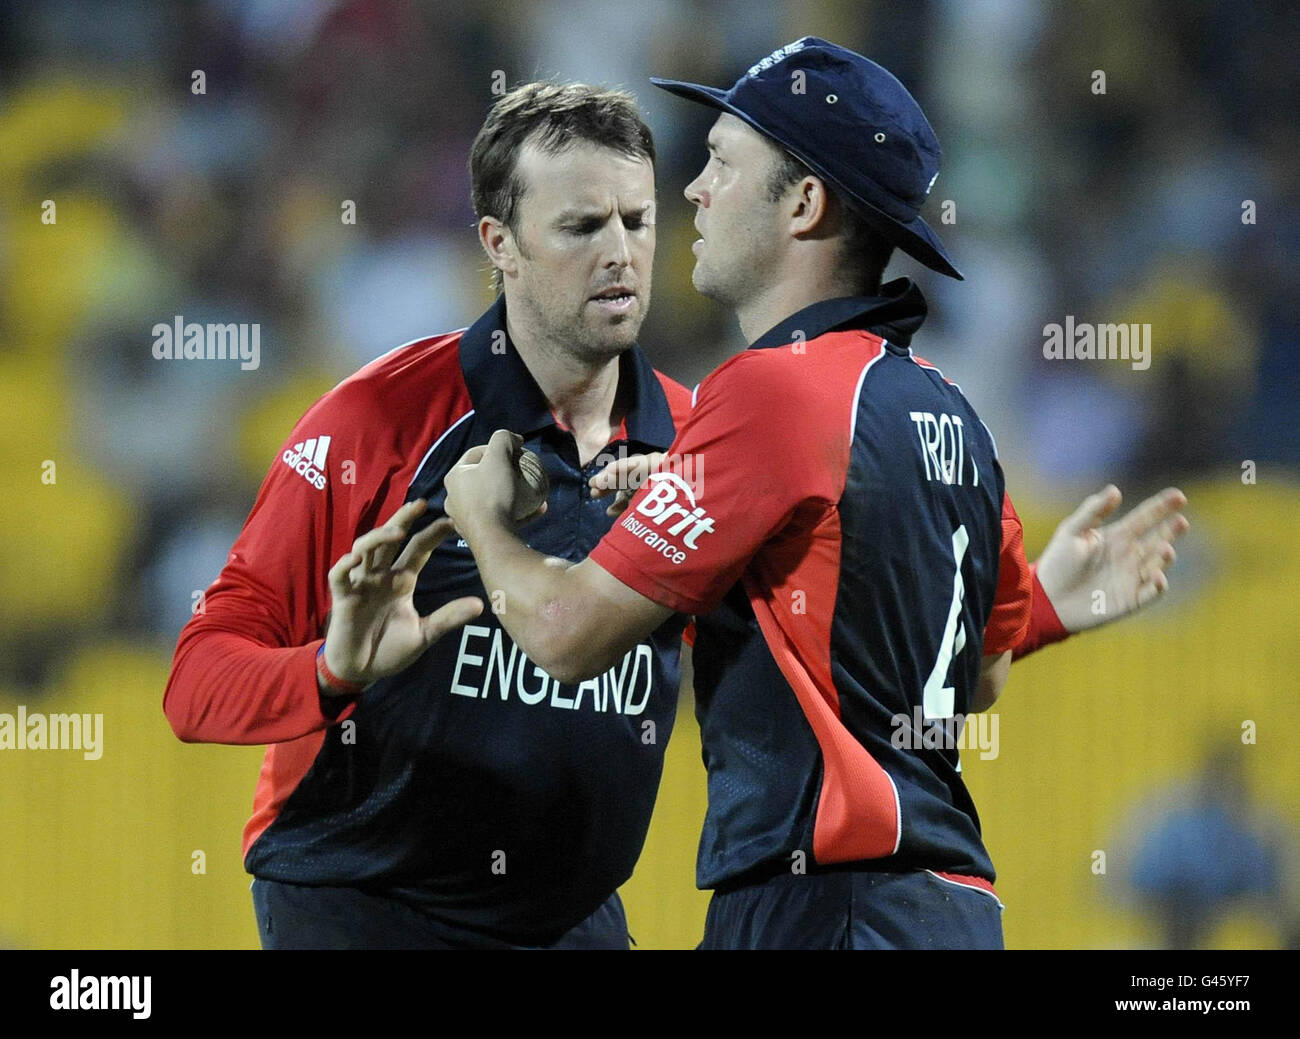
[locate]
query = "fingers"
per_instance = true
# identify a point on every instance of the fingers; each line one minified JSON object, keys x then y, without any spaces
{"x":420,"y":548}
{"x":501,"y":443}
{"x":1154,"y":526}
{"x":473,"y":456}
{"x":340,"y":579}
{"x":373,"y":551}
{"x":1156,"y":558}
{"x":1094,"y":509}
{"x":1152,"y":589}
{"x":1153,"y":510}
{"x":625,"y":474}
{"x":447,"y":618}
{"x":620,"y":502}
{"x":1157,"y":555}
{"x":405,"y":516}
{"x":504,"y":446}
{"x":1166,"y":532}
{"x":378,"y":547}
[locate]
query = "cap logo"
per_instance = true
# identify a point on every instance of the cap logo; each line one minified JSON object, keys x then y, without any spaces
{"x":776,"y":56}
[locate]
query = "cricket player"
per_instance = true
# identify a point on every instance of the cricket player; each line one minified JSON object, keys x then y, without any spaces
{"x":849,"y":551}
{"x":426,"y":784}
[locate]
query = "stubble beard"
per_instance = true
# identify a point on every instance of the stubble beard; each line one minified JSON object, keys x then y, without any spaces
{"x":597,"y":339}
{"x":590,"y":339}
{"x":725,"y":290}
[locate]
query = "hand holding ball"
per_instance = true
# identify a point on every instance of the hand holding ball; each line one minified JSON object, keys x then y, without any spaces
{"x":531,"y":486}
{"x":498,"y":479}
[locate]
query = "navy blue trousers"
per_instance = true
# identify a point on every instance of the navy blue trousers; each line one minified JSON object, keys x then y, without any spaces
{"x":298,"y":916}
{"x":854,"y":909}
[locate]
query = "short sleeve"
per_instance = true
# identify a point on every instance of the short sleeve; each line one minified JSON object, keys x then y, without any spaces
{"x":1011,"y":607}
{"x":734,"y":478}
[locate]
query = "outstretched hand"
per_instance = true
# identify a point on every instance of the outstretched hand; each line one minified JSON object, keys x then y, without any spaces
{"x":374,"y":629}
{"x":1096,"y":574}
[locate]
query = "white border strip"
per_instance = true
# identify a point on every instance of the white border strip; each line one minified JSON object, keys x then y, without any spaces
{"x":968,"y":887}
{"x":857,"y":393}
{"x":420,"y":467}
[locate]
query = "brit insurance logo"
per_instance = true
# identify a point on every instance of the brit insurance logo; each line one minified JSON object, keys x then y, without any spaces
{"x":673,"y":513}
{"x":308,"y":460}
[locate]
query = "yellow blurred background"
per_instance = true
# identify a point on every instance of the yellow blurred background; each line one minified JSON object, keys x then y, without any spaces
{"x":100,"y":854}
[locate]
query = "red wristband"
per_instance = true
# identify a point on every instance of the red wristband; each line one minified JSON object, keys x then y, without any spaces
{"x":1045,"y":627}
{"x":331,"y":680}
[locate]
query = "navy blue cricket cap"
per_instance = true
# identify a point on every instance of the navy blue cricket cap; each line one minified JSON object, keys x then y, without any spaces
{"x":853,"y":124}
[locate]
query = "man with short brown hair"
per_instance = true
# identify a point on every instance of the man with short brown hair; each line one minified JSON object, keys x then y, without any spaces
{"x":423,"y":791}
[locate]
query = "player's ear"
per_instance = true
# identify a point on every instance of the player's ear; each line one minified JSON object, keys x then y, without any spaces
{"x":809,"y":202}
{"x":499,"y":243}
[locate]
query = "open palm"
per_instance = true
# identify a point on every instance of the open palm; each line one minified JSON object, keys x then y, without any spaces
{"x":1096,"y":574}
{"x":374,"y":628}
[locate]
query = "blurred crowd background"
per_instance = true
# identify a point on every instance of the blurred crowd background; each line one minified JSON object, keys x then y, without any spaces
{"x":1145,"y":790}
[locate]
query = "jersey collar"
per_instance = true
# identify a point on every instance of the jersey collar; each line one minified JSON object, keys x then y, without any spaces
{"x":894,"y":315}
{"x":506,"y":396}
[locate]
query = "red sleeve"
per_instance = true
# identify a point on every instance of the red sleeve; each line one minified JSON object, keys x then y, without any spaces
{"x":244,"y":668}
{"x":733,"y":479}
{"x":1045,"y":626}
{"x":1011,"y":607}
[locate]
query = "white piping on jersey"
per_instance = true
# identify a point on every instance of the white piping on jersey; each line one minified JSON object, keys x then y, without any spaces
{"x":694,"y":393}
{"x":853,"y":428}
{"x":992,"y":438}
{"x":931,"y":368}
{"x":431,"y":450}
{"x":857,"y":392}
{"x":968,"y":887}
{"x":898,"y":807}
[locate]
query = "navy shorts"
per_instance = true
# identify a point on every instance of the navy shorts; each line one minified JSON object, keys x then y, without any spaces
{"x":854,"y":909}
{"x":299,"y":916}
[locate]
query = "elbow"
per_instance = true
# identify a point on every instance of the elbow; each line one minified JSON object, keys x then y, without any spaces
{"x":179,"y":720}
{"x":994,"y":672}
{"x":567,"y":663}
{"x":570,"y":657}
{"x":179,"y":712}
{"x":565,"y":646}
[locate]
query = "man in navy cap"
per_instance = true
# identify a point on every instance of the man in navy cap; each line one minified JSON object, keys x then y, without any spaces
{"x":834,"y":515}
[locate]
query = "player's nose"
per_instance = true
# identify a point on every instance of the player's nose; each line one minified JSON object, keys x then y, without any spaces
{"x":695,"y":193}
{"x":618,"y":250}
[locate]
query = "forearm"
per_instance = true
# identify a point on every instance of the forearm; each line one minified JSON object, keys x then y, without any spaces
{"x":539,"y":602}
{"x":227,"y":687}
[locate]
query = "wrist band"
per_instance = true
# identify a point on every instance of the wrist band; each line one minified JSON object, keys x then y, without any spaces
{"x":331,"y":680}
{"x":1045,"y":627}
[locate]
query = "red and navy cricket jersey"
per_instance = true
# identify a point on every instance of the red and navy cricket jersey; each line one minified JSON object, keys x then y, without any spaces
{"x":473,"y":784}
{"x":834,"y":515}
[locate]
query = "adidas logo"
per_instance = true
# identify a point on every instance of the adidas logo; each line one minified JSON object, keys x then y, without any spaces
{"x":308,"y":460}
